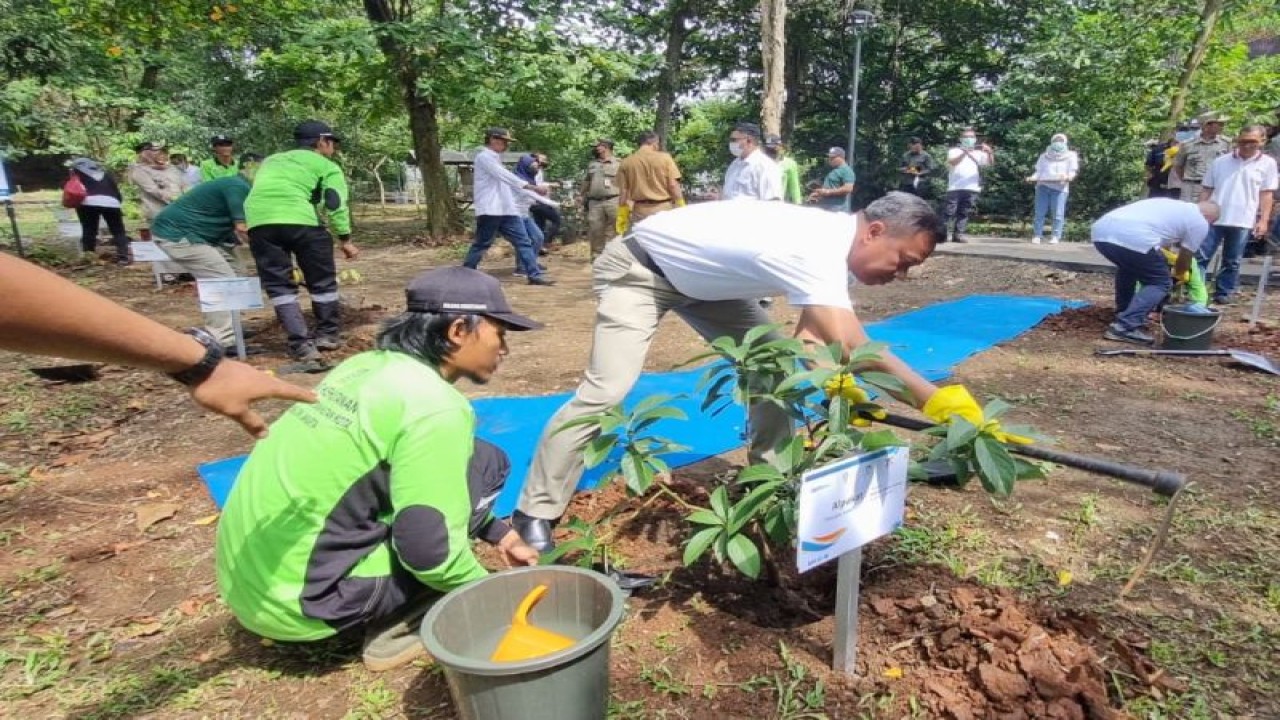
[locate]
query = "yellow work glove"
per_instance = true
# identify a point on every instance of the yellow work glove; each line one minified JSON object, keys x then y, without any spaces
{"x":681,"y":202}
{"x":955,"y":400}
{"x":844,"y":385}
{"x":350,"y":275}
{"x":297,"y":276}
{"x":1171,"y":257}
{"x":624,"y":219}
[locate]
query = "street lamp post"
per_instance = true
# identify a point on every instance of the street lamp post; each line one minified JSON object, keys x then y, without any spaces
{"x":862,"y":19}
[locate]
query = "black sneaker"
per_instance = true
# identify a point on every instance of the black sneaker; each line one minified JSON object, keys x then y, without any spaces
{"x":306,"y":352}
{"x":1135,"y":336}
{"x":960,"y":239}
{"x":541,"y":280}
{"x":324,"y":343}
{"x":1224,"y":301}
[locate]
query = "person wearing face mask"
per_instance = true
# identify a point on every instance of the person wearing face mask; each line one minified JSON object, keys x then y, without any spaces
{"x":1197,"y":154}
{"x":708,"y":263}
{"x":752,"y":174}
{"x":1160,"y":156}
{"x":600,"y":195}
{"x":1243,"y":184}
{"x":964,"y":181}
{"x":1055,"y":169}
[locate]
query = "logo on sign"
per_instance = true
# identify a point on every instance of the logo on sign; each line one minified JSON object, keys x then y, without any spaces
{"x":821,"y":542}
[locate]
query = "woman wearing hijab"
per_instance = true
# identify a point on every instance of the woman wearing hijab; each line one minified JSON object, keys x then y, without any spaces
{"x":528,"y":169}
{"x":102,"y":202}
{"x":1055,"y":170}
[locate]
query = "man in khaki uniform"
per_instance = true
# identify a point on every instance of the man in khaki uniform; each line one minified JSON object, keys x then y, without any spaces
{"x":649,"y":181}
{"x":1194,"y":158}
{"x":600,"y":195}
{"x":158,"y":182}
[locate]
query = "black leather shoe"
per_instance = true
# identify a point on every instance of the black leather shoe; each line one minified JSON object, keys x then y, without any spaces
{"x":541,"y":280}
{"x":536,"y":532}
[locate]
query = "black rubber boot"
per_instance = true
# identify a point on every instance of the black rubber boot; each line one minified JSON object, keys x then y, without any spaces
{"x":295,"y":326}
{"x":328,"y":319}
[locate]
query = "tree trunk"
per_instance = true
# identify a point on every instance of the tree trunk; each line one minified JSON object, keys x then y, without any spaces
{"x":1210,"y":14}
{"x":796,"y":61}
{"x":441,"y":210}
{"x":668,"y":79}
{"x":773,"y":52}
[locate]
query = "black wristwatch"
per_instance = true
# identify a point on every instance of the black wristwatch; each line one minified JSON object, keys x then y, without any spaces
{"x":213,"y":354}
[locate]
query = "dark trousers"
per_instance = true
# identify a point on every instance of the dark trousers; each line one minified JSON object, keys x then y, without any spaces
{"x":548,"y":219}
{"x":275,"y":248}
{"x":1132,"y":267}
{"x":959,"y":205}
{"x":90,"y":217}
{"x":512,"y":228}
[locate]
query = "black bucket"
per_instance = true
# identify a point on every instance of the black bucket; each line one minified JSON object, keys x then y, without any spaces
{"x":1182,"y":329}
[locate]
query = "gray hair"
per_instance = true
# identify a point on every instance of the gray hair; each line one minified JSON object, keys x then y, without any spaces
{"x":1260,"y":129}
{"x":905,"y":215}
{"x":422,"y":335}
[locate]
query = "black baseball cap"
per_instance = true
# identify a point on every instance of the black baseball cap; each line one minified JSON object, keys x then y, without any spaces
{"x":603,"y":141}
{"x":457,"y":289}
{"x":498,"y":132}
{"x":314,"y":129}
{"x":772,"y":141}
{"x":217,"y":140}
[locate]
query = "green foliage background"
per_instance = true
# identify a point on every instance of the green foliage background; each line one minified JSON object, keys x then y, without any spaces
{"x":96,"y":76}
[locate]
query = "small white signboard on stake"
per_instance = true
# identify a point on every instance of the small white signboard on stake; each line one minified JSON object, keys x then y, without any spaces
{"x":842,"y":507}
{"x":231,"y":295}
{"x":160,"y":261}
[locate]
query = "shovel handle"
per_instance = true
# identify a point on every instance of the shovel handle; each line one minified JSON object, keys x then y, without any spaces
{"x":521,"y":616}
{"x":1161,"y":482}
{"x":1138,"y":351}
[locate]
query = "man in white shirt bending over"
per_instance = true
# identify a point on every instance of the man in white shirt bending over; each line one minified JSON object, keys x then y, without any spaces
{"x":707,"y":263}
{"x":752,"y":174}
{"x":1243,"y":184}
{"x":496,"y":209}
{"x":1133,"y":238}
{"x":964,"y":181}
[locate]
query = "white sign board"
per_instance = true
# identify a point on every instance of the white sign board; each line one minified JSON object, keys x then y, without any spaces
{"x":4,"y":180}
{"x":238,"y":293}
{"x":849,"y":503}
{"x":147,"y":252}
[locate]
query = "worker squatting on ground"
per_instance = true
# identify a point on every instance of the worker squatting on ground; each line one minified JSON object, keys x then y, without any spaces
{"x":44,"y":314}
{"x":199,"y":229}
{"x":1133,"y":238}
{"x":709,"y":264}
{"x":358,"y":511}
{"x":285,"y":226}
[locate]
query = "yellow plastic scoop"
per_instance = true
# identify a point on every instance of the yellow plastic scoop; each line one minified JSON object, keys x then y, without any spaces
{"x":524,"y":641}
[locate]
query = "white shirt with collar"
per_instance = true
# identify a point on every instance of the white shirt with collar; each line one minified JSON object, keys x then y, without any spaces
{"x":495,"y":187}
{"x":753,"y":176}
{"x":966,"y":175}
{"x":1237,"y":186}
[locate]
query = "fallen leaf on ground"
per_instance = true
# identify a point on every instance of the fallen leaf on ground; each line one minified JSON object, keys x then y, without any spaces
{"x":893,"y":673}
{"x":60,"y":612}
{"x":207,"y":520}
{"x":148,"y":515}
{"x":1064,"y":578}
{"x":192,"y":605}
{"x":143,"y":630}
{"x":71,"y":459}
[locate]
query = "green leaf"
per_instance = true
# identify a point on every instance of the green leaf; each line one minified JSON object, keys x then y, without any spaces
{"x":637,"y":472}
{"x":716,"y":391}
{"x":758,"y":473}
{"x":812,"y":377}
{"x":698,"y":544}
{"x":775,"y":525}
{"x":744,"y":555}
{"x":881,"y":439}
{"x":995,"y":466}
{"x":704,"y":517}
{"x":597,"y":451}
{"x":720,"y":503}
{"x":1027,"y":470}
{"x":651,"y":403}
{"x":960,"y":432}
{"x":748,"y":507}
{"x":995,"y":409}
{"x":867,"y":352}
{"x":889,"y":383}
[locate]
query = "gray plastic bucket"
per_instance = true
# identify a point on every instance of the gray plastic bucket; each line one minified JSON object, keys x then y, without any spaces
{"x":463,"y":628}
{"x":1181,"y":329}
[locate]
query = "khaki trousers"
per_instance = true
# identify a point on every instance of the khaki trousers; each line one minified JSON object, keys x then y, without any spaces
{"x":632,"y":302}
{"x":1191,"y":191}
{"x":644,"y":210}
{"x":204,"y":262}
{"x":602,"y":218}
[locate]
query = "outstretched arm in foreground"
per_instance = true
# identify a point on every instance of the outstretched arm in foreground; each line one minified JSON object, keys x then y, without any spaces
{"x":44,"y":314}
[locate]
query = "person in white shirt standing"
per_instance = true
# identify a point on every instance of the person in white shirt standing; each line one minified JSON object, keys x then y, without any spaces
{"x":1133,"y":238}
{"x":752,"y":174}
{"x":496,"y":208}
{"x":707,"y":263}
{"x":964,"y":181}
{"x":1055,"y":169}
{"x":1243,"y":184}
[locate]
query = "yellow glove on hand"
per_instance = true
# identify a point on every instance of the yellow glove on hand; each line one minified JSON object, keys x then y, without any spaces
{"x":297,"y":276}
{"x":955,"y":400}
{"x":623,"y":223}
{"x":1170,"y":256}
{"x":845,"y":386}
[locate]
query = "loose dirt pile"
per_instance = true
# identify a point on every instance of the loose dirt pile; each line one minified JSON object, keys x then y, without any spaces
{"x":977,"y":652}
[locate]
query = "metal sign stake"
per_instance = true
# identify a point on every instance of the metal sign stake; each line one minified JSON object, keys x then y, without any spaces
{"x":848,"y":580}
{"x":239,"y":331}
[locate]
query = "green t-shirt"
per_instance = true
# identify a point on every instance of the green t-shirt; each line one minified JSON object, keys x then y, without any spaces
{"x":377,"y":466}
{"x":211,"y":169}
{"x":291,"y":187}
{"x":205,"y":214}
{"x":791,"y":190}
{"x":838,"y":177}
